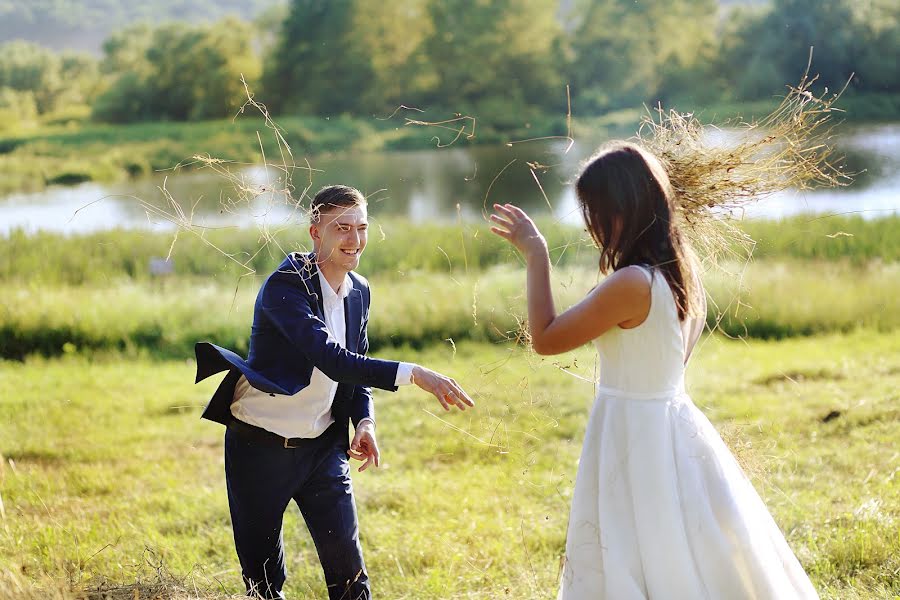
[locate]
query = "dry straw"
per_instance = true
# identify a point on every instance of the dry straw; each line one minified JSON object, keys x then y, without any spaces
{"x":791,"y":148}
{"x":154,"y":581}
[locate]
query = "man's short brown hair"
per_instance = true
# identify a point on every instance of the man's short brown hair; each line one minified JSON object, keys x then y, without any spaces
{"x":332,"y":196}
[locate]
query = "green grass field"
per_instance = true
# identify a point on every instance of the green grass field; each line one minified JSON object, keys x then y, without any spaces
{"x":108,"y":472}
{"x":110,"y":483}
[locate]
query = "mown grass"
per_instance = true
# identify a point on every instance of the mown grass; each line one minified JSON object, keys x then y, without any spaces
{"x":104,"y":458}
{"x":767,"y":299}
{"x":109,"y":256}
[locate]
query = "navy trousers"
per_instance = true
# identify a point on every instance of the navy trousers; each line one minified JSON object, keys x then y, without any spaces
{"x":262,"y":479}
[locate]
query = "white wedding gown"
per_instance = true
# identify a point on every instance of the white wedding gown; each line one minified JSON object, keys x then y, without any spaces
{"x":661,"y":509}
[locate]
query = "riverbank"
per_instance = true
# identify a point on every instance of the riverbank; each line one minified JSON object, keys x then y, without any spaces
{"x":68,"y":151}
{"x":81,"y":151}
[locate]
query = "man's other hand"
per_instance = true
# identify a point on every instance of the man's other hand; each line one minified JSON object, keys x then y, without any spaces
{"x":364,"y":447}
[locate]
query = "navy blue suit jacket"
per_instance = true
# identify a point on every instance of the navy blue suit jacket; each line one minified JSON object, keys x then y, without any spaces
{"x":289,"y":339}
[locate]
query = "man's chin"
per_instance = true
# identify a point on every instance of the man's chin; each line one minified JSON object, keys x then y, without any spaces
{"x":347,"y":263}
{"x":351,"y":263}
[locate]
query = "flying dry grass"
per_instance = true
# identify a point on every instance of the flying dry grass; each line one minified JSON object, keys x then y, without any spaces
{"x":790,"y":148}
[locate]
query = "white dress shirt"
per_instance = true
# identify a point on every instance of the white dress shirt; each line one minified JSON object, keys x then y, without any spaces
{"x":306,"y":414}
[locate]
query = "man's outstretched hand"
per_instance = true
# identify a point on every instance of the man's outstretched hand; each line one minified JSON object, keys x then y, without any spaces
{"x":364,"y":447}
{"x":445,"y":389}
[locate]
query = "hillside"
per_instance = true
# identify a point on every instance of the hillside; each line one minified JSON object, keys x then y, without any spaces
{"x":84,"y":24}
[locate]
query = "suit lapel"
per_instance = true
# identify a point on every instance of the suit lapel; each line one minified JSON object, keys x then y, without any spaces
{"x":306,"y":267}
{"x":316,"y":288}
{"x":353,"y":317}
{"x":352,"y":303}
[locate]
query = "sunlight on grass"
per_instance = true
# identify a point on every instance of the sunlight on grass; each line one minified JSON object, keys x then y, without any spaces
{"x":105,"y":458}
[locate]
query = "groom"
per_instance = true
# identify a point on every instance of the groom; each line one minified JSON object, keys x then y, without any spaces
{"x":287,"y":408}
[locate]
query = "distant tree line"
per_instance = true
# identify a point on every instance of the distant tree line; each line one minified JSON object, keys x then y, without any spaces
{"x":85,"y":24}
{"x":503,"y":58}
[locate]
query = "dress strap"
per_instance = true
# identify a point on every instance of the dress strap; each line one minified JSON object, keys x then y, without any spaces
{"x":646,"y":271}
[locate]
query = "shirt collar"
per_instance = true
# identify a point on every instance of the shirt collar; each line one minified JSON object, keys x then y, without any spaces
{"x":329,"y":295}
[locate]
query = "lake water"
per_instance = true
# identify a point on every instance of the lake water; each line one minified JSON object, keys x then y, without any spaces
{"x":442,"y":184}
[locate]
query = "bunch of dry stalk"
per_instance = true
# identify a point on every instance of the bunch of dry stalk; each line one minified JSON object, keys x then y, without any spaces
{"x":791,"y":148}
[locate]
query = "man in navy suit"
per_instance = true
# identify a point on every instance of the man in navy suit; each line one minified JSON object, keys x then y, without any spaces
{"x":288,"y":406}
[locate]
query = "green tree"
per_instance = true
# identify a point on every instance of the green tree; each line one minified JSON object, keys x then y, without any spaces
{"x":625,"y":53}
{"x":505,"y":52}
{"x":51,"y":79}
{"x":125,"y":50}
{"x":794,"y":26}
{"x":772,"y":48}
{"x":221,"y":57}
{"x":28,"y":67}
{"x":319,"y":65}
{"x":880,"y":45}
{"x":16,"y":108}
{"x":392,"y":35}
{"x":352,"y":56}
{"x":178,"y":72}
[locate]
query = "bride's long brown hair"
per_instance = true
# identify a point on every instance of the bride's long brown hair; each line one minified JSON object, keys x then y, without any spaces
{"x":628,"y":205}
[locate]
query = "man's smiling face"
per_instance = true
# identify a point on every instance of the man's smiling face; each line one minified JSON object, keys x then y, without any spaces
{"x":340,"y":235}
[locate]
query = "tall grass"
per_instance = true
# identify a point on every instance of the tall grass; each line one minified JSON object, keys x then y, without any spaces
{"x":779,"y":299}
{"x":768,"y":299}
{"x":813,"y":237}
{"x":432,"y":283}
{"x":52,"y":258}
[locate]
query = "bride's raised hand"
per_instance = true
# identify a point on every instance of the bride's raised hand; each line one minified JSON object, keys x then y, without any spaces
{"x":515,"y":226}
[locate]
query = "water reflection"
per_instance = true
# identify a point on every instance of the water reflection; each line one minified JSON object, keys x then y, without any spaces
{"x":872,"y":155}
{"x":430,"y":185}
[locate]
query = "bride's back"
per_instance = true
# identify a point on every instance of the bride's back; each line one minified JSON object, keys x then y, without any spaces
{"x":647,"y":359}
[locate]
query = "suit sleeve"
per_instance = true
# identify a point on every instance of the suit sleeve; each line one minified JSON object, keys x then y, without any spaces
{"x":289,"y":308}
{"x":361,"y":404}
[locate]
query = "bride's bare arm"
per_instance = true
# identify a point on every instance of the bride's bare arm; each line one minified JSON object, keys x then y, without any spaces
{"x":622,"y":298}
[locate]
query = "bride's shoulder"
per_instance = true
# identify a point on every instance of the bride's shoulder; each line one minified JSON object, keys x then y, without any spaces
{"x":632,"y":282}
{"x":637,"y":276}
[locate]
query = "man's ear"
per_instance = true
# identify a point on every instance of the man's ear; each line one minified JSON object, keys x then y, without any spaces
{"x":314,"y":232}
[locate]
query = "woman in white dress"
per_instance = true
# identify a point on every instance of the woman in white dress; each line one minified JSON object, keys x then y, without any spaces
{"x":661,"y":509}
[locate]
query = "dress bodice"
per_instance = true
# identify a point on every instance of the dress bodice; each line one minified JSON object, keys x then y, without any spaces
{"x":647,"y":359}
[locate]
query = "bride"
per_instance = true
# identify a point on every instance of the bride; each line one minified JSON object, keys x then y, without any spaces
{"x":661,"y":509}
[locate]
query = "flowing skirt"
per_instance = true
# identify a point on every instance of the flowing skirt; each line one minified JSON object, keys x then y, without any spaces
{"x":662,"y":511}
